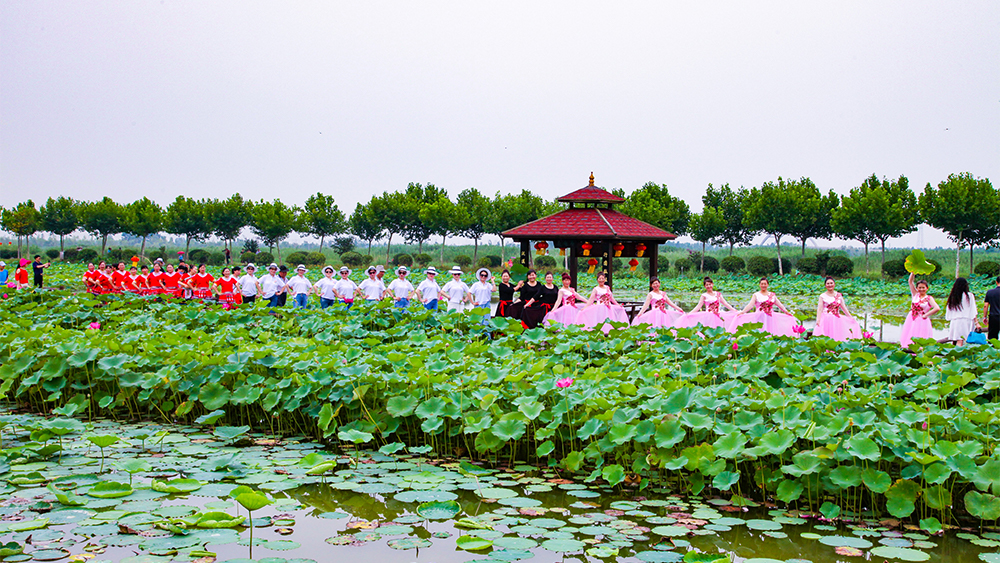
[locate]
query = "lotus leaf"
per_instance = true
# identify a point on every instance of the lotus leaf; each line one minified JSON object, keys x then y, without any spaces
{"x":176,"y":485}
{"x":472,"y":543}
{"x":439,"y":510}
{"x":901,"y":553}
{"x":916,"y":263}
{"x":110,"y":489}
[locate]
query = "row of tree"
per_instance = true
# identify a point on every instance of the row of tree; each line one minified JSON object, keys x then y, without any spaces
{"x":966,"y":208}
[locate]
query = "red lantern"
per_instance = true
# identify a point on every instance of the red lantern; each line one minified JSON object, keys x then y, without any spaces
{"x":639,"y":249}
{"x":562,"y":252}
{"x":540,"y":247}
{"x":135,"y":261}
{"x":633,"y":263}
{"x":593,"y":264}
{"x":618,"y":249}
{"x":586,"y":248}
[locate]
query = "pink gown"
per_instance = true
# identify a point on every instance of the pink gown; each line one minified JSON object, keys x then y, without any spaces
{"x":775,"y":322}
{"x":658,"y":315}
{"x":567,"y":312}
{"x":833,"y":323}
{"x":915,"y":326}
{"x":601,"y":311}
{"x":711,"y":317}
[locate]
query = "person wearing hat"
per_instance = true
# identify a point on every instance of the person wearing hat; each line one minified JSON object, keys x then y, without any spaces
{"x":326,"y":288}
{"x":456,"y":290}
{"x":38,"y":268}
{"x":271,"y":286}
{"x":401,"y":288}
{"x":344,"y":288}
{"x":5,"y":273}
{"x":482,"y":289}
{"x":300,"y":287}
{"x":21,"y":275}
{"x":249,"y":286}
{"x":283,"y":276}
{"x":372,"y":287}
{"x":380,"y":272}
{"x":429,"y":291}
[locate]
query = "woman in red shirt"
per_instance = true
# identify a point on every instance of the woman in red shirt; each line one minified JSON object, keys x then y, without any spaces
{"x":106,"y":285}
{"x":21,"y":275}
{"x":142,"y":281}
{"x":90,"y":278}
{"x":118,"y":277}
{"x":156,"y":279}
{"x":224,"y":286}
{"x":171,"y":282}
{"x":129,"y":283}
{"x":202,"y":283}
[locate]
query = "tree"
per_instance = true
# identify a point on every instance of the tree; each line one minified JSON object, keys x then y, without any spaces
{"x":143,"y":217}
{"x":417,"y":197}
{"x":227,"y":217}
{"x":731,"y":204}
{"x":442,"y":218}
{"x":964,"y":207}
{"x":59,"y":218}
{"x":365,"y":225}
{"x":653,"y":204}
{"x":811,"y":210}
{"x":187,"y":216}
{"x":771,"y":209}
{"x":706,"y":226}
{"x":476,"y":208}
{"x":272,"y":222}
{"x":393,"y":212}
{"x":23,"y":220}
{"x":509,"y":211}
{"x":322,"y":217}
{"x":102,"y":219}
{"x":876,"y":211}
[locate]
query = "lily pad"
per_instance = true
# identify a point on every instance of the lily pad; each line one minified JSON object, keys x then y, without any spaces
{"x":916,"y":263}
{"x":408,"y":543}
{"x":901,"y":553}
{"x":472,"y":543}
{"x":439,"y":510}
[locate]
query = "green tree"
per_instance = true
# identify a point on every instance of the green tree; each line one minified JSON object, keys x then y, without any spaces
{"x":23,"y":220}
{"x":273,"y":221}
{"x":877,"y":210}
{"x":443,"y":218}
{"x":513,"y":210}
{"x":811,"y":210}
{"x":771,"y":208}
{"x":322,"y":217}
{"x":964,"y":207}
{"x":417,"y":197}
{"x":59,"y":218}
{"x":393,"y":211}
{"x":143,"y":218}
{"x":102,"y":219}
{"x":187,"y":216}
{"x":653,"y":204}
{"x":476,"y":208}
{"x":730,"y":202}
{"x":707,"y":225}
{"x":365,"y":225}
{"x":227,"y":217}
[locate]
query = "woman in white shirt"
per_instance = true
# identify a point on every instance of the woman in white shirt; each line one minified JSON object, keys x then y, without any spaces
{"x":344,"y":288}
{"x":372,"y":287}
{"x":428,"y":291}
{"x":961,"y":311}
{"x":272,"y":286}
{"x":300,"y":287}
{"x":482,"y":289}
{"x":326,"y":288}
{"x":249,"y":286}
{"x":456,"y":290}
{"x":400,"y":288}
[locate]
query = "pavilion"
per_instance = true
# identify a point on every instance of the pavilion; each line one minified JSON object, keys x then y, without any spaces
{"x":591,"y":227}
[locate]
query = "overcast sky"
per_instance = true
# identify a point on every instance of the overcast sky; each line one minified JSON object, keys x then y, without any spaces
{"x":284,"y":99}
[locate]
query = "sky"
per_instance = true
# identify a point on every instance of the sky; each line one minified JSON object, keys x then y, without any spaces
{"x":286,"y":99}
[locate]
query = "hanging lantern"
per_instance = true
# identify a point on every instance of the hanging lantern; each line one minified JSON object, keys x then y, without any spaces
{"x":593,"y":264}
{"x":586,"y":248}
{"x":639,"y":249}
{"x":562,"y":252}
{"x":135,"y":261}
{"x":618,"y":248}
{"x":632,"y":263}
{"x":540,"y":247}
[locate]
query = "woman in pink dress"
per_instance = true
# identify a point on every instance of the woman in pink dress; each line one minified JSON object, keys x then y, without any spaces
{"x":566,"y":308}
{"x":654,"y":310}
{"x":918,"y":318}
{"x":832,"y":317}
{"x":601,"y":307}
{"x":714,"y":316}
{"x":764,"y":302}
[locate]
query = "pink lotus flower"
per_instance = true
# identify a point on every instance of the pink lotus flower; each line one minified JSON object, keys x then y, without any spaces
{"x":924,"y":426}
{"x":867,"y":335}
{"x":95,"y":326}
{"x":736,"y":347}
{"x":798,"y":329}
{"x":5,"y":296}
{"x":564,"y":383}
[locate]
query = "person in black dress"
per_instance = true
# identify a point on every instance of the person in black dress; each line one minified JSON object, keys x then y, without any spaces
{"x":527,"y":290}
{"x":536,"y":307}
{"x":505,"y":290}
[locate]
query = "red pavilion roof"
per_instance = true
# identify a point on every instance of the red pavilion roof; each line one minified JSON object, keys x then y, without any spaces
{"x":591,"y":194}
{"x":588,"y":223}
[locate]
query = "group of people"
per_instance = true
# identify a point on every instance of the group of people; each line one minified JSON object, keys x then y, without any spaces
{"x":20,"y":279}
{"x":456,"y":293}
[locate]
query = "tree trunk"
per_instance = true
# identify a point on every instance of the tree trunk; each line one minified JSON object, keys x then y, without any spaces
{"x":958,"y":254}
{"x":27,"y":246}
{"x":104,"y":244}
{"x":420,"y":247}
{"x":277,"y":246}
{"x":972,"y":264}
{"x":187,"y":247}
{"x":803,"y":247}
{"x":701,"y":268}
{"x":321,"y":237}
{"x":388,"y":243}
{"x":866,"y":257}
{"x":730,"y":248}
{"x":475,"y":251}
{"x":883,"y":253}
{"x":777,"y":243}
{"x":142,"y":249}
{"x":443,"y":238}
{"x":501,"y":251}
{"x":62,"y":252}
{"x":370,"y":246}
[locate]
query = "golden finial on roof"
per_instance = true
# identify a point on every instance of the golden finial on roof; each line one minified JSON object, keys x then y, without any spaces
{"x":591,"y":179}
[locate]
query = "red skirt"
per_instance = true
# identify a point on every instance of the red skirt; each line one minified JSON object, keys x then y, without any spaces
{"x":227,"y":298}
{"x":174,"y":292}
{"x":202,"y":293}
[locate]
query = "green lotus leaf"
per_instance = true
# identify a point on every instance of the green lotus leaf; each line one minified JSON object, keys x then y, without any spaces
{"x":210,"y":418}
{"x":218,"y":520}
{"x":472,"y":543}
{"x":227,"y":433}
{"x":698,"y":557}
{"x":134,"y":465}
{"x":26,"y":525}
{"x":983,"y":506}
{"x":900,"y":553}
{"x":104,"y":441}
{"x":253,"y":501}
{"x":11,"y":548}
{"x":439,"y":510}
{"x":110,"y":489}
{"x":176,"y":485}
{"x":916,"y":263}
{"x":64,"y":426}
{"x":355,"y":436}
{"x":214,"y":396}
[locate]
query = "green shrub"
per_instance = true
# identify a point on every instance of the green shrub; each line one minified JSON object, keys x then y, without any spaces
{"x":251,"y":246}
{"x":352,"y":260}
{"x":422,"y":259}
{"x":315,"y":258}
{"x":343,"y":244}
{"x":248,"y":257}
{"x":463,"y":260}
{"x":87,"y":255}
{"x":760,"y":266}
{"x":296,"y":258}
{"x":733,"y":264}
{"x":8,"y":253}
{"x":121,"y":254}
{"x":402,"y":259}
{"x":216,"y":258}
{"x":484,"y":262}
{"x":839,"y":266}
{"x":987,"y":268}
{"x":683,"y":265}
{"x":264,"y":258}
{"x":367,"y":259}
{"x":198,"y":256}
{"x":786,"y":265}
{"x":662,"y":264}
{"x":156,"y":253}
{"x":807,"y":265}
{"x":541,"y":262}
{"x":52,"y":253}
{"x":894,"y":268}
{"x":70,"y":255}
{"x":937,"y":269}
{"x":494,"y":261}
{"x":711,"y":264}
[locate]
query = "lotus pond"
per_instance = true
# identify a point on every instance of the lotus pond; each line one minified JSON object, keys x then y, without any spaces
{"x":854,"y":437}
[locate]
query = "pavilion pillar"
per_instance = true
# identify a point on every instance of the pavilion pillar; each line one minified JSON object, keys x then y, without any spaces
{"x":526,"y":253}
{"x":653,"y":259}
{"x":607,"y":261}
{"x":574,"y":260}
